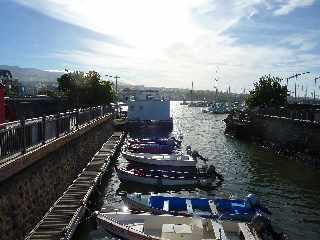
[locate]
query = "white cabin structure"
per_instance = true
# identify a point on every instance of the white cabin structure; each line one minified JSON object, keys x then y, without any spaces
{"x":147,"y":105}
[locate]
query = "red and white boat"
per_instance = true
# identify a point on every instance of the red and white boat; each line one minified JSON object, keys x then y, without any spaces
{"x":166,"y":178}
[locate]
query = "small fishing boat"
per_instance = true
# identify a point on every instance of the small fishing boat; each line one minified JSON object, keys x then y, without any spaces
{"x":166,"y":178}
{"x":175,"y":159}
{"x":156,"y":227}
{"x":154,"y":148}
{"x":224,"y":209}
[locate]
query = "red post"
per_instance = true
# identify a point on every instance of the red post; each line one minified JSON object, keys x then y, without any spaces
{"x":2,"y":107}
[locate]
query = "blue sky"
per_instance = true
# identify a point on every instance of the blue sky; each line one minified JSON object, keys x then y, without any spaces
{"x":166,"y":43}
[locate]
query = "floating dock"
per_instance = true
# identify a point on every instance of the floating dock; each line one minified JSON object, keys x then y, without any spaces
{"x":62,"y":219}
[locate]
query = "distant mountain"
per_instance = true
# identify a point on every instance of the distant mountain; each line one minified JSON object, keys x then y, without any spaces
{"x":32,"y":74}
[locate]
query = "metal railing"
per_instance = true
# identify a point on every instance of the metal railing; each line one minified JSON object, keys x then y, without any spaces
{"x":20,"y":136}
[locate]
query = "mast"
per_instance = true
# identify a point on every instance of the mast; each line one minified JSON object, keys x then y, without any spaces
{"x":192,"y":93}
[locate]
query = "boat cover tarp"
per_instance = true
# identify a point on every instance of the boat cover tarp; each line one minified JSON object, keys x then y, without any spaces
{"x":224,"y":206}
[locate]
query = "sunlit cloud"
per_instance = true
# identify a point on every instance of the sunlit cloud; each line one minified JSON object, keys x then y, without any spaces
{"x":290,"y":5}
{"x":172,"y":43}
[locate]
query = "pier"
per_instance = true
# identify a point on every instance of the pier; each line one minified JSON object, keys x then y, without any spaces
{"x":63,"y":217}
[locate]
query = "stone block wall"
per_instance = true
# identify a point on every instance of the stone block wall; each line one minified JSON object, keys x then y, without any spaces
{"x":27,"y":195}
{"x":292,"y":134}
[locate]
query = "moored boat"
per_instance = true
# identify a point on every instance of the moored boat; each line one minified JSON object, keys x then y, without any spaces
{"x":177,"y":160}
{"x":166,"y":178}
{"x":154,"y":148}
{"x":155,"y":227}
{"x":224,"y":209}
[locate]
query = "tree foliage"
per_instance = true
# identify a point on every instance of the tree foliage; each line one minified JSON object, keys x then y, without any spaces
{"x":85,"y":89}
{"x":268,"y":92}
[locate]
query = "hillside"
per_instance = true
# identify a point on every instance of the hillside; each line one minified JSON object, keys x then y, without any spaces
{"x":31,"y":74}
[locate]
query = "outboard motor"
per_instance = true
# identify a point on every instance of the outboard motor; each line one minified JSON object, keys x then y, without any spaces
{"x":211,"y":170}
{"x":188,"y":149}
{"x":251,"y":201}
{"x":262,"y":225}
{"x":177,"y":143}
{"x":212,"y":173}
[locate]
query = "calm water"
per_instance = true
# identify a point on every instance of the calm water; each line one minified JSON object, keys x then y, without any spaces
{"x":288,"y":188}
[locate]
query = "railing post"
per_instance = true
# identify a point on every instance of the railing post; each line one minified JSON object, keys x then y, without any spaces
{"x":69,"y":121}
{"x":57,"y":125}
{"x":23,"y":130}
{"x":77,"y":118}
{"x":44,"y":128}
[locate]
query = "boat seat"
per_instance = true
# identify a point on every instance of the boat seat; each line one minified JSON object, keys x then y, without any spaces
{"x":189,"y":206}
{"x":213,"y":207}
{"x":166,"y":205}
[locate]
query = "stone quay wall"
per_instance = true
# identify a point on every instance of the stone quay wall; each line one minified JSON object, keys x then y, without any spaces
{"x":31,"y":183}
{"x":293,"y":137}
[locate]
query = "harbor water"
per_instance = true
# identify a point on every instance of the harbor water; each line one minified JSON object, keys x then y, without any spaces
{"x":288,"y":188}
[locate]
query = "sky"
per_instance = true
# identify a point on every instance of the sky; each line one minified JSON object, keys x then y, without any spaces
{"x":167,"y":43}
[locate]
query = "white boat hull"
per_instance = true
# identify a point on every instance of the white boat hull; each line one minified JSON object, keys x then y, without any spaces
{"x":165,"y":227}
{"x":160,"y":159}
{"x":126,"y":177}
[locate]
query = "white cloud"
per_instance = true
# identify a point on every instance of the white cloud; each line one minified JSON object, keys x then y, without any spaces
{"x":174,"y":42}
{"x":291,"y":5}
{"x":54,"y":70}
{"x":304,"y":42}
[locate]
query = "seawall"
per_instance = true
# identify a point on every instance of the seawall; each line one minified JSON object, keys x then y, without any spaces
{"x":292,"y":137}
{"x":32,"y":182}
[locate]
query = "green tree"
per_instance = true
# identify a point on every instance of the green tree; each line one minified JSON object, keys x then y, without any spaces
{"x":267,"y":92}
{"x":85,"y":89}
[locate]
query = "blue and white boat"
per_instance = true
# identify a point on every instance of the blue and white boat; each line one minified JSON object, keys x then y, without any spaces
{"x":224,"y":209}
